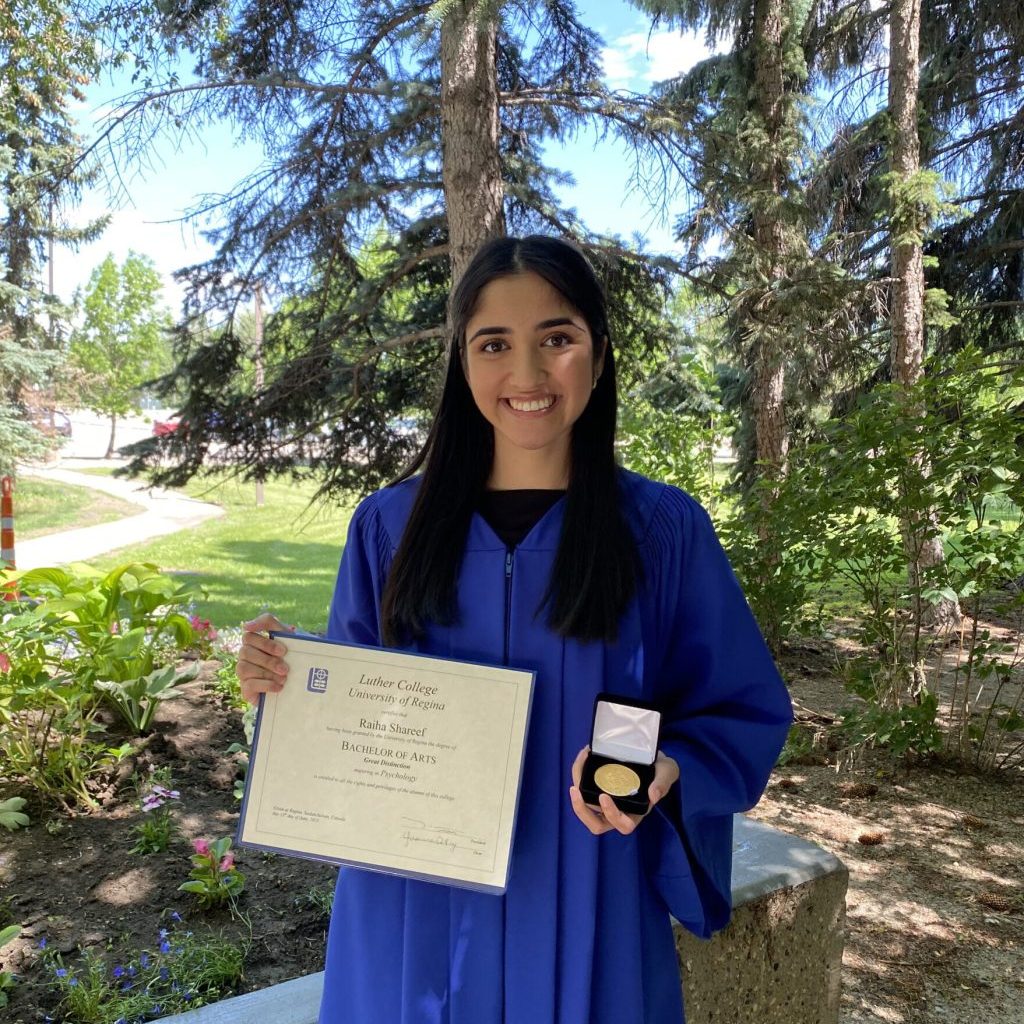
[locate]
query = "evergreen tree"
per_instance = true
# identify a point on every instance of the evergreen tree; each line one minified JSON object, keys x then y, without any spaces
{"x":410,"y":128}
{"x":47,"y":54}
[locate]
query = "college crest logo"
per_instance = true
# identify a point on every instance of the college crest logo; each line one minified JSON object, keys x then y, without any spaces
{"x":317,"y":681}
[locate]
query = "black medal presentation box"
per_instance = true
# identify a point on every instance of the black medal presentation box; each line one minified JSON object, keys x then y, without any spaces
{"x":623,"y":749}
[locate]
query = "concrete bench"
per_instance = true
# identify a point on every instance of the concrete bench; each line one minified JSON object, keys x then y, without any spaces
{"x":778,"y":962}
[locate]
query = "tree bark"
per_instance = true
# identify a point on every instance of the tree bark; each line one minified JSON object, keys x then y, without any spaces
{"x":110,"y":443}
{"x":920,"y":537}
{"x":471,"y":166}
{"x":768,"y":364}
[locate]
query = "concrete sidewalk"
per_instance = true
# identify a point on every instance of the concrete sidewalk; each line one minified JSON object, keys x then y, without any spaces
{"x":161,"y":512}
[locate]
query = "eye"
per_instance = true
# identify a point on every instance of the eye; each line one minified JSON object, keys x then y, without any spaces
{"x":492,"y":346}
{"x":558,"y":340}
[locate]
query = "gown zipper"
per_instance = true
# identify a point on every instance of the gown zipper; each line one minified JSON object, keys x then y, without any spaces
{"x":508,"y":599}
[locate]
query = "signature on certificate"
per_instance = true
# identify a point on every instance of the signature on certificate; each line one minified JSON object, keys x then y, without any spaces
{"x":451,"y":839}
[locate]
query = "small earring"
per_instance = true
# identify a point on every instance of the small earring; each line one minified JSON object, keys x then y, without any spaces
{"x":594,"y":385}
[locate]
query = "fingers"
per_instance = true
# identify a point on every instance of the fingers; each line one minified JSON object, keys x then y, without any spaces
{"x":261,"y":667}
{"x":593,"y":821}
{"x":265,"y":622}
{"x":577,"y":766}
{"x":666,"y":775}
{"x":619,"y":820}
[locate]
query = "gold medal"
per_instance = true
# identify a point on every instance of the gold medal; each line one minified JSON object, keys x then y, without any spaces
{"x":617,"y":779}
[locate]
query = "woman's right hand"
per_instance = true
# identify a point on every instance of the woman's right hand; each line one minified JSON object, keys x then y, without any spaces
{"x":260,"y":668}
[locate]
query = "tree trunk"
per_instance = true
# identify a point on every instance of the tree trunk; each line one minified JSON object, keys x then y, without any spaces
{"x":471,"y":168}
{"x":769,"y":170}
{"x":113,"y":428}
{"x":921,"y":541}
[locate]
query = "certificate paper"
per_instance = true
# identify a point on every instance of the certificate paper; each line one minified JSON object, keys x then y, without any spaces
{"x":390,"y":761}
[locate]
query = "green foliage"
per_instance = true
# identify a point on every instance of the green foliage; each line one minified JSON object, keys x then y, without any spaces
{"x":214,"y":879}
{"x":11,"y":816}
{"x":74,"y":630}
{"x":671,"y":427}
{"x":798,"y":748}
{"x":183,"y":972}
{"x":226,"y":684}
{"x":122,"y":342}
{"x":7,"y":980}
{"x":49,"y":52}
{"x":244,"y":749}
{"x":936,"y":455}
{"x":907,"y":728}
{"x":320,"y":898}
{"x":771,"y":537}
{"x":136,"y":699}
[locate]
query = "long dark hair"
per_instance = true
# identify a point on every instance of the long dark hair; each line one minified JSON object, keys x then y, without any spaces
{"x":596,"y":567}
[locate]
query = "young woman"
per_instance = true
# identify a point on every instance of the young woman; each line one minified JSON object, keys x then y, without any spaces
{"x":522,"y":543}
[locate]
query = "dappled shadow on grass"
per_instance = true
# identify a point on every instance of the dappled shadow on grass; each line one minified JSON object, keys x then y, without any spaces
{"x":294,"y":579}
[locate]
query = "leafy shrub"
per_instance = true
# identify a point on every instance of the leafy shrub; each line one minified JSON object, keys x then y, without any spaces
{"x":79,"y":637}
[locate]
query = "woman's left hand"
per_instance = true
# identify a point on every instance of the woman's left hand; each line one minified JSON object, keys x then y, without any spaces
{"x":666,"y":773}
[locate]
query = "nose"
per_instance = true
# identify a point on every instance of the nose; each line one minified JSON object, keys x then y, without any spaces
{"x":527,"y":372}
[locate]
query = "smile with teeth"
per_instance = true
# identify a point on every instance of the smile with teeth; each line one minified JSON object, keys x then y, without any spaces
{"x":535,"y":405}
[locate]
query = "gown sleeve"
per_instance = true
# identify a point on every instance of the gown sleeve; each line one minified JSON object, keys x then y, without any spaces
{"x":725,"y":712}
{"x":355,"y":606}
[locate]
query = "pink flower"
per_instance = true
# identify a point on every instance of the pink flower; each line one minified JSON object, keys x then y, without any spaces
{"x":201,"y":846}
{"x":227,"y":861}
{"x":5,"y":663}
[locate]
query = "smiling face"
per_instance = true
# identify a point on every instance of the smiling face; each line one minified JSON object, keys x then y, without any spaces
{"x":529,"y":360}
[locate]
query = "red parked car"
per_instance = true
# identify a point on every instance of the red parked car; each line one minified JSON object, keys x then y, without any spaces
{"x":161,"y":428}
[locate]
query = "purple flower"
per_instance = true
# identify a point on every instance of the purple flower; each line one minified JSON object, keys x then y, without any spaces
{"x":175,"y":916}
{"x":72,"y":981}
{"x":127,"y":987}
{"x":61,"y":972}
{"x":163,"y":933}
{"x":118,"y":971}
{"x":42,"y":943}
{"x":144,"y":961}
{"x":164,"y":974}
{"x":132,"y":972}
{"x":165,"y":946}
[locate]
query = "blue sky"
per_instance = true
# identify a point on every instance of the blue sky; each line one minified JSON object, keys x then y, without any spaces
{"x":155,"y":196}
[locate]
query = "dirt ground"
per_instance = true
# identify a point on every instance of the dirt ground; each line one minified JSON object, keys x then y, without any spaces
{"x":935,"y":908}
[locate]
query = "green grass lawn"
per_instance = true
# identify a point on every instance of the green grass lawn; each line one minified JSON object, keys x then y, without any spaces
{"x":45,"y":506}
{"x":282,"y":557}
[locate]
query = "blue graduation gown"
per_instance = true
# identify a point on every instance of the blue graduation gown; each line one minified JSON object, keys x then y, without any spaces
{"x":582,"y":935}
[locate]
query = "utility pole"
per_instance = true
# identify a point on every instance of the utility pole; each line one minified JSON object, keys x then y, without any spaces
{"x":258,"y":362}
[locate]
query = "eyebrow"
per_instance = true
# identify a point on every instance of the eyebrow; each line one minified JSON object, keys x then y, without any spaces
{"x":558,"y":321}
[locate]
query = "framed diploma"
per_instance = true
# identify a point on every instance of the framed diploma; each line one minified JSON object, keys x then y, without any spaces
{"x":389,"y":761}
